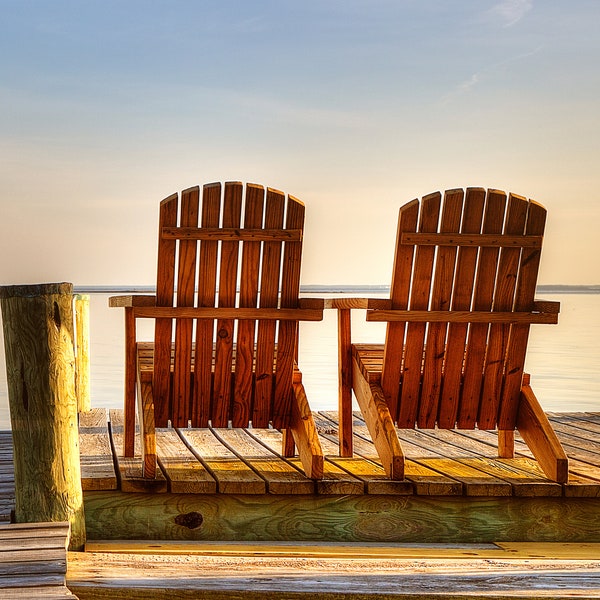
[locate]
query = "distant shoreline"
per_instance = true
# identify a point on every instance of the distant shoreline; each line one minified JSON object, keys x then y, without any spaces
{"x":329,"y":289}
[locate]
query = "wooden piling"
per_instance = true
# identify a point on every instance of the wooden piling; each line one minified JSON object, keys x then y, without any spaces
{"x":40,"y":367}
{"x":82,"y":352}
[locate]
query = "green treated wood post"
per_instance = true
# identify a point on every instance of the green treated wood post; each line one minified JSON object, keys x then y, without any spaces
{"x":82,"y":352}
{"x":40,"y":368}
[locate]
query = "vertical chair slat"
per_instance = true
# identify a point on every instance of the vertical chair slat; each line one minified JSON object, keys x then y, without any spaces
{"x":461,"y":300}
{"x":221,"y":409}
{"x":506,"y":280}
{"x":165,"y":282}
{"x":483,"y":294}
{"x":207,"y":281}
{"x":186,"y":280}
{"x":441,"y":295}
{"x":524,"y":296}
{"x":287,"y":341}
{"x":269,"y":296}
{"x":242,"y":397}
{"x":419,"y":300}
{"x":399,"y":295}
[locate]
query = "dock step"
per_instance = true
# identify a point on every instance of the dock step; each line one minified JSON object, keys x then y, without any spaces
{"x":335,"y":572}
{"x":33,"y":561}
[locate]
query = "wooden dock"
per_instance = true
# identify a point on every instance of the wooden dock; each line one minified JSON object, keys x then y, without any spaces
{"x":230,"y":518}
{"x":33,"y":561}
{"x":232,"y":485}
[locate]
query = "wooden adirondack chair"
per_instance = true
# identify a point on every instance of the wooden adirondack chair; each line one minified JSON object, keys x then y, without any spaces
{"x":460,"y":307}
{"x":227,"y":312}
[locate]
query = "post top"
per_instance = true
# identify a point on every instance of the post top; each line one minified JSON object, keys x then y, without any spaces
{"x":39,"y":289}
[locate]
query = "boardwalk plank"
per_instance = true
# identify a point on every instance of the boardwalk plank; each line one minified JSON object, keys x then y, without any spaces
{"x":97,"y":466}
{"x":184,"y":472}
{"x":335,"y":479}
{"x":232,"y":474}
{"x":129,"y":469}
{"x":292,"y":578}
{"x":280,"y":475}
{"x":33,"y":560}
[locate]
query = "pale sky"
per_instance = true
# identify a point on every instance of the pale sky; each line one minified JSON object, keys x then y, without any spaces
{"x":355,"y":107}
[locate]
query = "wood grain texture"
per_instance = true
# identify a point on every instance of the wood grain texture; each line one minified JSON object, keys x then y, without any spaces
{"x":234,"y":258}
{"x":459,"y":316}
{"x":268,"y":573}
{"x":483,"y":293}
{"x":163,"y":330}
{"x":249,"y":280}
{"x":82,"y":352}
{"x":186,"y":287}
{"x":207,"y":281}
{"x":357,"y":518}
{"x":232,"y":474}
{"x":184,"y":472}
{"x":130,"y":469}
{"x":97,"y":466}
{"x":33,"y":560}
{"x":40,"y":372}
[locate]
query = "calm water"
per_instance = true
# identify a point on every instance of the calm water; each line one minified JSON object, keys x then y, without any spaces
{"x":564,"y":359}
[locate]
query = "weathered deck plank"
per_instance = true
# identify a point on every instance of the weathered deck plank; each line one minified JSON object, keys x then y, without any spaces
{"x":184,"y":472}
{"x":233,"y":475}
{"x":129,"y":469}
{"x":439,"y":462}
{"x":97,"y":466}
{"x":281,"y":476}
{"x":154,"y":576}
{"x":33,"y":560}
{"x":455,"y":488}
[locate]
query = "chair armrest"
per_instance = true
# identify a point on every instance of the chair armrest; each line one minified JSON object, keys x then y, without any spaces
{"x":311,"y":303}
{"x":149,"y":301}
{"x":131,"y":301}
{"x":546,"y":306}
{"x":358,"y":303}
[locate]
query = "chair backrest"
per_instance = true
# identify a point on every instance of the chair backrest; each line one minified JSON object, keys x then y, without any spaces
{"x":477,"y":251}
{"x":235,"y":246}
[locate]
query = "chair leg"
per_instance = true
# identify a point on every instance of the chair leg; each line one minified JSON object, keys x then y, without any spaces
{"x":377,"y":416}
{"x":345,"y":382}
{"x":130,"y":382}
{"x":147,"y":431}
{"x":305,"y":434}
{"x":534,"y":427}
{"x":288,"y":444}
{"x":506,"y":443}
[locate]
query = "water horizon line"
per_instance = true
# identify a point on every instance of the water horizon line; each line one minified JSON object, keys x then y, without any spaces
{"x":330,"y":289}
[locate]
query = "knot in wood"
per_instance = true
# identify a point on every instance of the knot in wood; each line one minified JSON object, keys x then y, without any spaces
{"x":191,"y":520}
{"x":223,"y":333}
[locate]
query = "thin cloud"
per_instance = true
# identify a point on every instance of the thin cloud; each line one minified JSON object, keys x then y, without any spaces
{"x":468,"y":85}
{"x":510,"y":12}
{"x":462,"y":88}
